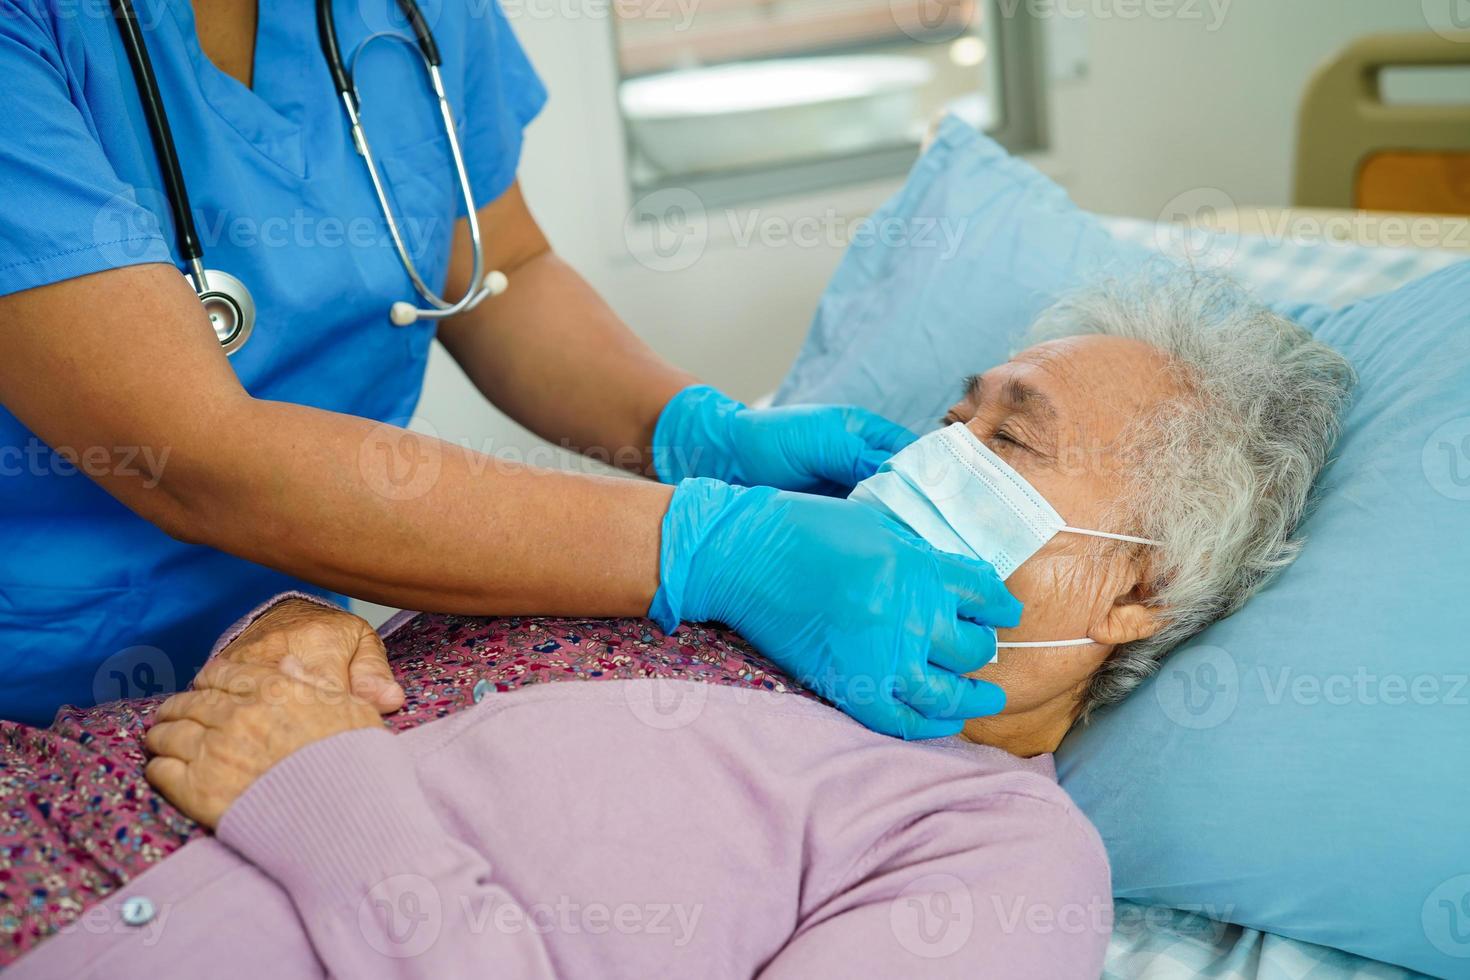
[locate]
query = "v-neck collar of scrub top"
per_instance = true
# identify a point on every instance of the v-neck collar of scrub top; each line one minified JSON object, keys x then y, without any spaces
{"x":271,"y":116}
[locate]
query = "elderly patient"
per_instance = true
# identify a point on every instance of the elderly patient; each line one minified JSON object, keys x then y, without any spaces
{"x":692,"y":812}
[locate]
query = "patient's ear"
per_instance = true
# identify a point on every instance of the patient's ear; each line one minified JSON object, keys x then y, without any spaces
{"x":1129,"y":618}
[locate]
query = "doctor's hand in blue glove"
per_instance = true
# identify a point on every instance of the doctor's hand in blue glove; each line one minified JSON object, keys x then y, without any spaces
{"x":812,"y":448}
{"x":848,"y":602}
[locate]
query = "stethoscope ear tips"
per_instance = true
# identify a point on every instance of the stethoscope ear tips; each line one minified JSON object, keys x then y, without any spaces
{"x":402,"y":314}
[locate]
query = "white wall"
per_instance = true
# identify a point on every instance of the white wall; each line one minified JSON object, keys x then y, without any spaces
{"x":1173,"y":104}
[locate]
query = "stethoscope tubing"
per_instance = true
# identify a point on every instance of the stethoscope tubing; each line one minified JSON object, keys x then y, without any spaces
{"x":441,"y":307}
{"x":126,"y":16}
{"x":191,"y":250}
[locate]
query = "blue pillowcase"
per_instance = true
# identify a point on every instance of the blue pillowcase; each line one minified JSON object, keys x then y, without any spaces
{"x":1300,"y":767}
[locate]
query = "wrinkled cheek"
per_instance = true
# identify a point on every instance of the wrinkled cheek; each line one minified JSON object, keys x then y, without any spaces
{"x":1008,"y":668}
{"x":1059,"y":592}
{"x":1030,"y":677}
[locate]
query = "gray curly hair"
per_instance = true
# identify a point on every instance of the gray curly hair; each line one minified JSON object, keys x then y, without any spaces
{"x":1224,"y":475}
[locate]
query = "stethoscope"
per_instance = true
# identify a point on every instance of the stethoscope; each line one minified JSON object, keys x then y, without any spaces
{"x":226,"y":299}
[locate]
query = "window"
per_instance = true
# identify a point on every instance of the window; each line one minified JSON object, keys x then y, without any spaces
{"x":742,"y":99}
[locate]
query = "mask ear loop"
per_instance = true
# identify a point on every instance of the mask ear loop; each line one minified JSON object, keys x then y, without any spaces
{"x":1080,"y":641}
{"x":1109,"y":535}
{"x":1038,"y":644}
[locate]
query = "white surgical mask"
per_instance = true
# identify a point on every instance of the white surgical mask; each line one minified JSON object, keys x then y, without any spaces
{"x":952,"y":491}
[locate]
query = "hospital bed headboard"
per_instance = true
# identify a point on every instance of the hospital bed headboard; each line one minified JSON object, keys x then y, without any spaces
{"x":1355,"y":150}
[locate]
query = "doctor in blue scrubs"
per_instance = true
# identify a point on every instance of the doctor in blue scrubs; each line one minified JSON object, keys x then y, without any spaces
{"x":153,"y":489}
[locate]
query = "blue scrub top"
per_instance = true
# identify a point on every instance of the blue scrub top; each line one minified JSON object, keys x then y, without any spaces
{"x":95,"y":603}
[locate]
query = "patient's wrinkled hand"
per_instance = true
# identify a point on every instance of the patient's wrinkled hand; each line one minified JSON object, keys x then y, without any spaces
{"x":210,"y":744}
{"x":321,"y":646}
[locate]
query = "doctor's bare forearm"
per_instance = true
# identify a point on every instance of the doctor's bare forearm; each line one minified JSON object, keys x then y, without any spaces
{"x":550,"y":352}
{"x":125,"y":358}
{"x":405,"y":520}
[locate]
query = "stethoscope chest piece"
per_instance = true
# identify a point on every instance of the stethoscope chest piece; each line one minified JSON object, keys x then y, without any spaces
{"x":230,"y":307}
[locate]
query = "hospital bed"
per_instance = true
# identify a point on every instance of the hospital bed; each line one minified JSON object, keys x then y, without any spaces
{"x":1170,"y":944}
{"x":1325,"y":250}
{"x":1359,"y":145}
{"x":1334,"y":268}
{"x":1332,"y":257}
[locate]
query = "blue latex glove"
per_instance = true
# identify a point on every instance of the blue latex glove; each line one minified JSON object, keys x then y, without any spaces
{"x":848,"y":602}
{"x":813,"y":448}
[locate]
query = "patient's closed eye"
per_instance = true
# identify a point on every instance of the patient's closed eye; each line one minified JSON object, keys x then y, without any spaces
{"x":1001,"y":435}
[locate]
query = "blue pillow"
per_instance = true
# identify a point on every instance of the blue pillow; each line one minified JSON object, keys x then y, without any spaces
{"x":1300,"y":767}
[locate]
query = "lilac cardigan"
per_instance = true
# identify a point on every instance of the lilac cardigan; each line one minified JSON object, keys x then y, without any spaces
{"x":623,"y":828}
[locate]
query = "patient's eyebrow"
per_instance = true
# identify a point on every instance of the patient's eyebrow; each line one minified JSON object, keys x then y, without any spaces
{"x":1017,"y":395}
{"x":1028,"y":400}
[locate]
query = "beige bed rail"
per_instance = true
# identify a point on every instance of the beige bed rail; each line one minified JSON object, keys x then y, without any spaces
{"x":1355,"y":150}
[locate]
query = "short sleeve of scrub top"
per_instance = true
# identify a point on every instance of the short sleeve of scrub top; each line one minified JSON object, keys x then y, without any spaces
{"x":502,"y":95}
{"x":63,"y":210}
{"x":494,"y":97}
